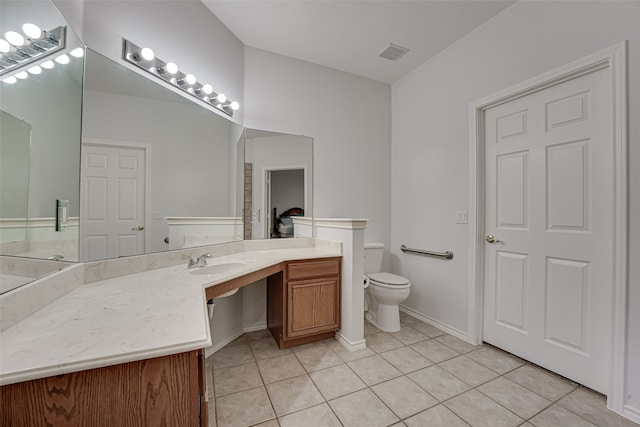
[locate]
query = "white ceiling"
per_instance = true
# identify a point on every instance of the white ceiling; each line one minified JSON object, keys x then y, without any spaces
{"x":349,"y":35}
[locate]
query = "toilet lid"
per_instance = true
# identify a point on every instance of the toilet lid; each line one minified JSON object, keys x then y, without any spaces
{"x":389,"y":279}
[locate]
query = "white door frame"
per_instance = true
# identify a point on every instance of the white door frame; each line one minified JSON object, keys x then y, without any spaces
{"x":266,"y":192}
{"x":96,"y":142}
{"x":615,"y":59}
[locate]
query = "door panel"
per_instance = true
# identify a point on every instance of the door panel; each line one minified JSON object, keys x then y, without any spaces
{"x":567,"y":291}
{"x":511,"y":290}
{"x":512,"y":190}
{"x":113,"y":193}
{"x":549,"y":203}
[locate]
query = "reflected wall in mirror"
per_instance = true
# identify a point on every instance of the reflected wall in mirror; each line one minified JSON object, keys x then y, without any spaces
{"x":40,"y":148}
{"x":159,"y":171}
{"x":278,"y":183}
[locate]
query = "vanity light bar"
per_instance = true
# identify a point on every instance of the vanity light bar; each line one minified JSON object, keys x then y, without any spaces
{"x":17,"y":51}
{"x":145,"y":59}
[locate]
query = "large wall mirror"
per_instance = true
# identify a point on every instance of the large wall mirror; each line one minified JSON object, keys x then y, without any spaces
{"x":159,"y":171}
{"x":278,"y":183}
{"x":40,"y":121}
{"x":99,"y":162}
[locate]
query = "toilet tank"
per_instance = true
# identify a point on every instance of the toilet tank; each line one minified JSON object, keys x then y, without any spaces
{"x":373,"y":253}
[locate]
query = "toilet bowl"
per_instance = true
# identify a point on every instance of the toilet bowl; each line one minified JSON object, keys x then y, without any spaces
{"x":385,"y":291}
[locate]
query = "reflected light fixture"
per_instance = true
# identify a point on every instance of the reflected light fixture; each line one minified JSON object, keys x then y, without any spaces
{"x":62,"y":59}
{"x":35,"y":70}
{"x":77,"y":52}
{"x":32,"y":31}
{"x":145,"y":59}
{"x":5,"y":46}
{"x":14,"y":38}
{"x":17,"y":50}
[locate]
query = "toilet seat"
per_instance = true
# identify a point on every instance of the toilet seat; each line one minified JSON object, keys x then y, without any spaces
{"x":389,"y":280}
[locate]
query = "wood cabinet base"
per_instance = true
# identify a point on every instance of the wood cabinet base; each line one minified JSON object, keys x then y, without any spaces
{"x":164,"y":391}
{"x":303,"y":301}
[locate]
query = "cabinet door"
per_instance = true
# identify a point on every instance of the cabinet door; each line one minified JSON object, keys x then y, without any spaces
{"x":313,"y":306}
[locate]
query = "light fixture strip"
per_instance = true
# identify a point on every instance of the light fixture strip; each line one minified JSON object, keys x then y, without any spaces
{"x":157,"y":67}
{"x":49,"y":43}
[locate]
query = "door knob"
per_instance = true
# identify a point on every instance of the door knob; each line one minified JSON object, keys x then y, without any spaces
{"x":138,"y":228}
{"x":492,"y":239}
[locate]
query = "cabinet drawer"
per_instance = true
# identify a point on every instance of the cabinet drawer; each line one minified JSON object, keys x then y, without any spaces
{"x":312,"y":269}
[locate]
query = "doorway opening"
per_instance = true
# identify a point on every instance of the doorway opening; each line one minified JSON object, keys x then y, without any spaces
{"x":285,"y":198}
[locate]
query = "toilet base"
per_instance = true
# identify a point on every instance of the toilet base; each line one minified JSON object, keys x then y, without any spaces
{"x":386,"y":318}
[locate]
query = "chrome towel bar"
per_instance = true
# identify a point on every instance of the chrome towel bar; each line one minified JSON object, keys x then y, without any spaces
{"x":445,"y":255}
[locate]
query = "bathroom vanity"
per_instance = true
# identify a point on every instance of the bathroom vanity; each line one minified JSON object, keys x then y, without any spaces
{"x":128,"y":350}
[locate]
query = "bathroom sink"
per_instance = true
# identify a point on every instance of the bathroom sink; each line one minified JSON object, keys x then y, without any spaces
{"x":218,"y":268}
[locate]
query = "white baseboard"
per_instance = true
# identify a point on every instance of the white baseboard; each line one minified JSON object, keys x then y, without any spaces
{"x":349,"y":345}
{"x":446,"y":328}
{"x":220,"y":344}
{"x":631,"y":413}
{"x":255,"y":327}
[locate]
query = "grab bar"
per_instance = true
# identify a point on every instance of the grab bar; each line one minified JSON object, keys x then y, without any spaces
{"x":445,"y":255}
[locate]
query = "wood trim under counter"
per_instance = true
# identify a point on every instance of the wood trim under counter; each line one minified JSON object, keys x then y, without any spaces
{"x":153,"y":392}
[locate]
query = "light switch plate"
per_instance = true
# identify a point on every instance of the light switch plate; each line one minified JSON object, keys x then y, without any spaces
{"x":462,"y":217}
{"x":255,"y":215}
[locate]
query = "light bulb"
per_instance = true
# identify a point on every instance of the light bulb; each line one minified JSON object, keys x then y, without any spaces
{"x":35,"y":70}
{"x":221,"y":97}
{"x":14,"y":38}
{"x":234,"y":105}
{"x":22,"y":75}
{"x":5,"y":47}
{"x":77,"y":52}
{"x":207,"y":89}
{"x":171,"y":68}
{"x":62,"y":59}
{"x":10,"y":80}
{"x":32,"y":30}
{"x":48,"y":64}
{"x":190,"y":79}
{"x":147,"y":54}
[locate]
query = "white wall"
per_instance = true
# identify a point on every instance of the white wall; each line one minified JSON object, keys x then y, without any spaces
{"x":349,"y":118}
{"x":430,"y":158}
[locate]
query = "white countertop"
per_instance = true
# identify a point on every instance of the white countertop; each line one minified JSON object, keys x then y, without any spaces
{"x":150,"y":314}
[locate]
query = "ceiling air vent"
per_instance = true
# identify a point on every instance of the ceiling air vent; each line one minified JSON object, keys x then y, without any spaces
{"x":393,"y":52}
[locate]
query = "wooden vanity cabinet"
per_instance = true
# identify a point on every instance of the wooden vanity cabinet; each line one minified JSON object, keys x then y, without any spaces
{"x":163,"y":391}
{"x":303,"y":301}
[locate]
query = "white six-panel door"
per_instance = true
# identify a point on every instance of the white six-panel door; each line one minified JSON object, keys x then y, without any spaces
{"x":549,"y":217}
{"x":113,"y":202}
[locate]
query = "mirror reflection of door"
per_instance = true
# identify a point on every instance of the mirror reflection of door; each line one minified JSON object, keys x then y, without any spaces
{"x":113,"y":187}
{"x":15,"y":140}
{"x":285,"y":199}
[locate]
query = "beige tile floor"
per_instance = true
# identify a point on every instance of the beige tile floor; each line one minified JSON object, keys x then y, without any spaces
{"x":419,"y":376}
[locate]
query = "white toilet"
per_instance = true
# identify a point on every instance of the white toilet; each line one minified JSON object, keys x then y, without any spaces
{"x":384,"y":291}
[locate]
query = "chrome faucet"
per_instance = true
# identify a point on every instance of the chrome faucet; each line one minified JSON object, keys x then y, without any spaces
{"x":200,"y":262}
